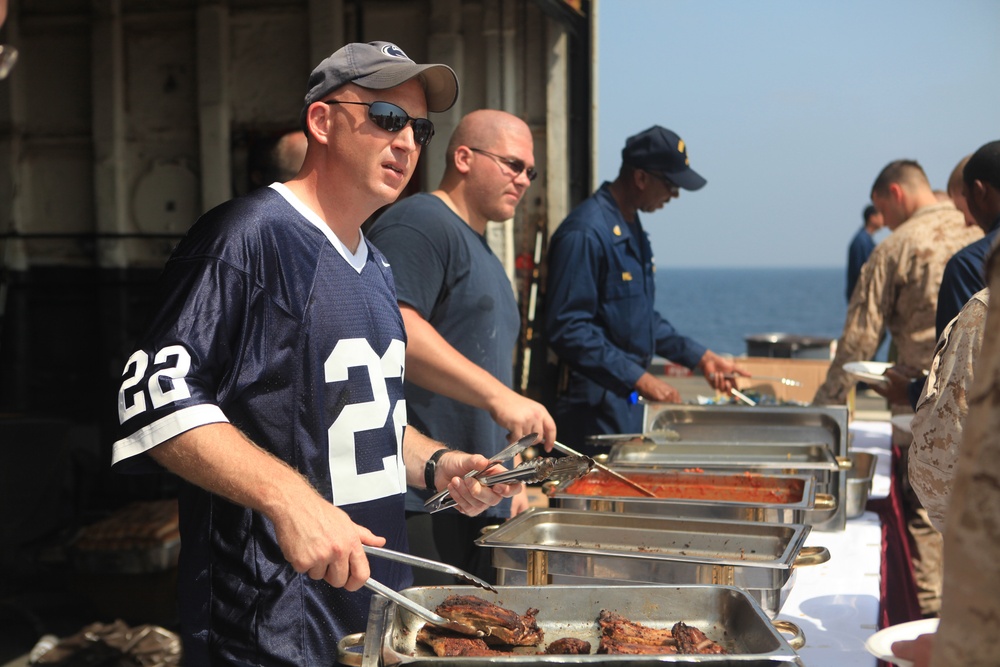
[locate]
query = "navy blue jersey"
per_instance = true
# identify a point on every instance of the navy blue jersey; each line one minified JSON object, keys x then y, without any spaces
{"x":265,"y":323}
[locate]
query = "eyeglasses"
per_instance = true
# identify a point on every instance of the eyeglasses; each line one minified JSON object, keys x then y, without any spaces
{"x":673,"y":187}
{"x":391,"y":118}
{"x":515,"y":165}
{"x":8,"y":58}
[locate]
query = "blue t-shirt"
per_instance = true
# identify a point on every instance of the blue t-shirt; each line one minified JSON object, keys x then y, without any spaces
{"x":857,"y":254}
{"x":446,"y":271}
{"x":964,"y":275}
{"x":267,"y":323}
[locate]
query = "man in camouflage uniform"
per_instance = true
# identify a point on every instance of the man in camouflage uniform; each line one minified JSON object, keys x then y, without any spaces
{"x":971,"y":607}
{"x":898,"y":289}
{"x":943,"y":406}
{"x":898,"y":285}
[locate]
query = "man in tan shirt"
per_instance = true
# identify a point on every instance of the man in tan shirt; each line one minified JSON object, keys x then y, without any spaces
{"x":897,"y":290}
{"x":898,"y":286}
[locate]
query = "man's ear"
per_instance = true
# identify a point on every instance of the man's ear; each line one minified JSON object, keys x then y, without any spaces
{"x":318,"y":122}
{"x":897,"y":192}
{"x":463,"y":159}
{"x":640,"y":179}
{"x":978,"y":192}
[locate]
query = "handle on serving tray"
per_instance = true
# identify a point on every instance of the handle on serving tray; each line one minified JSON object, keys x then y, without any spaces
{"x":345,"y":656}
{"x":812,"y":556}
{"x":825,"y":502}
{"x":798,"y":639}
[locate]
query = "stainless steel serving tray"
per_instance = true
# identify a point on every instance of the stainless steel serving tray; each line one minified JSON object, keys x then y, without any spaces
{"x":557,"y":546}
{"x":792,"y":497}
{"x":730,"y":423}
{"x":725,"y":613}
{"x":813,"y":439}
{"x":762,"y":456}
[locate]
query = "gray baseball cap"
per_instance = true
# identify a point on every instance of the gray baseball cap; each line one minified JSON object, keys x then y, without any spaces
{"x":380,"y":65}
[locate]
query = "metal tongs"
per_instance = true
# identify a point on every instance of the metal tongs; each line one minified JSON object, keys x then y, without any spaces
{"x":505,"y":454}
{"x":413,"y":607}
{"x":788,"y":382}
{"x":537,"y":470}
{"x":569,"y":451}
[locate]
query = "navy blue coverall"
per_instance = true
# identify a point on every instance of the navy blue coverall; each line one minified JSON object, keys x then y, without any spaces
{"x":601,"y":320}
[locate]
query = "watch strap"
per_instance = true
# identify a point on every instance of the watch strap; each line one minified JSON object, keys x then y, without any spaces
{"x":430,"y":468}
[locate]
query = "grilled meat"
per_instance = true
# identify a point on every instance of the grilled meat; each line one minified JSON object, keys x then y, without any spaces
{"x":611,"y":646}
{"x":568,"y":646}
{"x":447,"y":644}
{"x":691,"y":640}
{"x":623,"y":630}
{"x":620,"y":635}
{"x":501,"y":626}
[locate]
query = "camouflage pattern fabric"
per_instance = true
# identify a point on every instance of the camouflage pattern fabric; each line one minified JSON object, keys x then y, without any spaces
{"x":943,"y":406}
{"x":897,"y":290}
{"x":971,"y":607}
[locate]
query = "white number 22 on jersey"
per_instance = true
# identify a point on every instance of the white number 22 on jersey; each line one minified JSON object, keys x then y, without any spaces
{"x":349,"y":486}
{"x":132,"y":399}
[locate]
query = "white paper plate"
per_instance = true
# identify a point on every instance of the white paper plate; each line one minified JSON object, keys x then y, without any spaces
{"x":869,"y":371}
{"x":880,"y":643}
{"x":902,"y":422}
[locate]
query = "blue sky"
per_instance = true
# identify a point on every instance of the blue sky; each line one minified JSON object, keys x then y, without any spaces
{"x":790,"y":108}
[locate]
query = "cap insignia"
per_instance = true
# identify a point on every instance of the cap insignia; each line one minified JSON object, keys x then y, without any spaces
{"x":394,"y":51}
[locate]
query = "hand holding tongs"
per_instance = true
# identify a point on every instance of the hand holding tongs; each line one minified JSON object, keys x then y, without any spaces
{"x":536,"y":470}
{"x":505,"y":454}
{"x":413,"y":607}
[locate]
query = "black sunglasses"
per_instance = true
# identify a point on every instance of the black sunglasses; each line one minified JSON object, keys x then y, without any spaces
{"x":515,"y":165}
{"x":391,"y":118}
{"x":673,"y":187}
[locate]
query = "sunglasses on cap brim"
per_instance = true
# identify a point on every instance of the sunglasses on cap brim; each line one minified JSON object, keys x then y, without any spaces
{"x":391,"y":118}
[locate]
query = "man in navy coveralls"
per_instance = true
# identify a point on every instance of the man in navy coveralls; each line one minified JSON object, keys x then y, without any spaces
{"x":271,"y":382}
{"x":600,"y":317}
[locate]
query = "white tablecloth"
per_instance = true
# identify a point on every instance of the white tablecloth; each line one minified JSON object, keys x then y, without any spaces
{"x":836,"y":604}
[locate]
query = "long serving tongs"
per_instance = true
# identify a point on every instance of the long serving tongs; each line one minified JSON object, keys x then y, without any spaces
{"x":505,"y":454}
{"x":569,"y":451}
{"x":420,"y":610}
{"x":788,"y":382}
{"x":428,"y":564}
{"x":537,"y":470}
{"x":413,"y":607}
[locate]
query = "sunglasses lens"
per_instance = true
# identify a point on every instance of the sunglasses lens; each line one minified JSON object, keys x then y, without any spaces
{"x":388,"y":116}
{"x":423,"y":131}
{"x":391,"y":118}
{"x":532,"y":174}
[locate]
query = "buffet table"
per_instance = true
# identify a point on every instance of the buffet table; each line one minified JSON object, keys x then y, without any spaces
{"x":836,"y":604}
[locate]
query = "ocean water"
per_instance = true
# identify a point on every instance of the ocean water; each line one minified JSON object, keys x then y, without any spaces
{"x":720,"y":307}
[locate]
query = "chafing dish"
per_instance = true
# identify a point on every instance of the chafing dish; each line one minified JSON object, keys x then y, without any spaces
{"x":779,"y":440}
{"x":739,"y":497}
{"x":859,"y":482}
{"x":556,"y":546}
{"x":725,"y":613}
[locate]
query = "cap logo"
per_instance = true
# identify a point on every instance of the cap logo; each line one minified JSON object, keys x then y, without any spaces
{"x":680,"y":145}
{"x":394,"y":51}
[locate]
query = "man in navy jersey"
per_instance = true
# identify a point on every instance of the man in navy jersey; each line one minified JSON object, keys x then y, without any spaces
{"x":270,"y":380}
